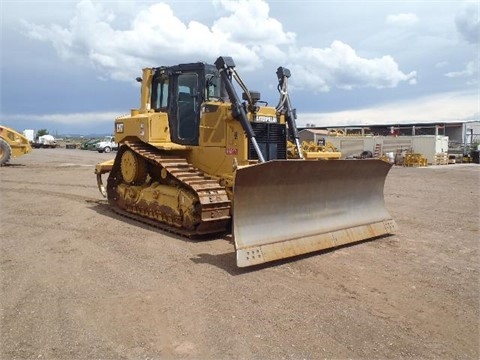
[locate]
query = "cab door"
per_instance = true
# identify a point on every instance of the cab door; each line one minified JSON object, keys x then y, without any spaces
{"x":185,"y":110}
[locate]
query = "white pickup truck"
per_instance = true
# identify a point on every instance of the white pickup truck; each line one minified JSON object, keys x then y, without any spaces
{"x":106,"y":145}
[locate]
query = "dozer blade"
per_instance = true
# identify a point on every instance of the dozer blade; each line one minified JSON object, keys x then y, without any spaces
{"x":287,"y":208}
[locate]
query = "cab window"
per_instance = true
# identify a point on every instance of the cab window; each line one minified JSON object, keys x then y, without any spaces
{"x":187,"y":106}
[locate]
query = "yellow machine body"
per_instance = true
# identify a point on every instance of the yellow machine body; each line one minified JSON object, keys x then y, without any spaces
{"x":228,"y":170}
{"x":12,"y":144}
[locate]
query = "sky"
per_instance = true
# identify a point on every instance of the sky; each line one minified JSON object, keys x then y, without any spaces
{"x":70,"y":66}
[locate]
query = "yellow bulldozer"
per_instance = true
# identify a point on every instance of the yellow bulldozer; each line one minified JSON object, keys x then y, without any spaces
{"x":195,"y":159}
{"x":12,"y":145}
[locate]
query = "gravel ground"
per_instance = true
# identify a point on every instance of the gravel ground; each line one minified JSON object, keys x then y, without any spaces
{"x":80,"y":282}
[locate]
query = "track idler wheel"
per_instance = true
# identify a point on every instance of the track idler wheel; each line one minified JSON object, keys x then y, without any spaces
{"x":133,"y":168}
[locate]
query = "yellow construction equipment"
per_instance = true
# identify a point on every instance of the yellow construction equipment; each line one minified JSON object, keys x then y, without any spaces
{"x":312,"y":151}
{"x":195,"y":160}
{"x":414,"y":160}
{"x":12,"y":145}
{"x":336,"y":132}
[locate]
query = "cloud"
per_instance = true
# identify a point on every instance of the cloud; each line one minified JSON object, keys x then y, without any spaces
{"x":250,"y":23}
{"x":468,"y":23}
{"x":71,"y":119}
{"x":471,"y":69}
{"x":402,"y":19}
{"x":341,"y":67}
{"x":470,"y":73}
{"x":458,"y":106}
{"x":441,"y":64}
{"x":244,"y":30}
{"x":156,"y":36}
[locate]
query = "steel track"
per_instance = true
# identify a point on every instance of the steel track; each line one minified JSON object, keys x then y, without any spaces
{"x":214,"y":210}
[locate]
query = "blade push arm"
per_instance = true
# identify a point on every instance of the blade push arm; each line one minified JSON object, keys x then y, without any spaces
{"x":285,"y":106}
{"x":226,"y":67}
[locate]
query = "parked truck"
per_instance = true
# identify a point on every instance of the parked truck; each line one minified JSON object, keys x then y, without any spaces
{"x":29,"y":134}
{"x":45,"y":141}
{"x":106,"y":145}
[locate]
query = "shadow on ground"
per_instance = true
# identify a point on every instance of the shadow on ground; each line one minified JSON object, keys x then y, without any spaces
{"x":226,"y":261}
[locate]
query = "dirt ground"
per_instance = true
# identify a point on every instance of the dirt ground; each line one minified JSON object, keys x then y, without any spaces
{"x":80,"y":282}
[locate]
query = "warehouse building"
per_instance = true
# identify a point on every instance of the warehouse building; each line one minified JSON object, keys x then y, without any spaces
{"x":456,"y":139}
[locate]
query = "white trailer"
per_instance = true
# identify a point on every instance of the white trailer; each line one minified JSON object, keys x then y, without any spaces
{"x":29,"y":134}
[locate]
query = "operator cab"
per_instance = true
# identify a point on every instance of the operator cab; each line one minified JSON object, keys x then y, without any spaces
{"x":179,"y":91}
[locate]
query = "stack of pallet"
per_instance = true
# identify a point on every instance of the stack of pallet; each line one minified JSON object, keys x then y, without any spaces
{"x":441,"y":159}
{"x":414,"y":160}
